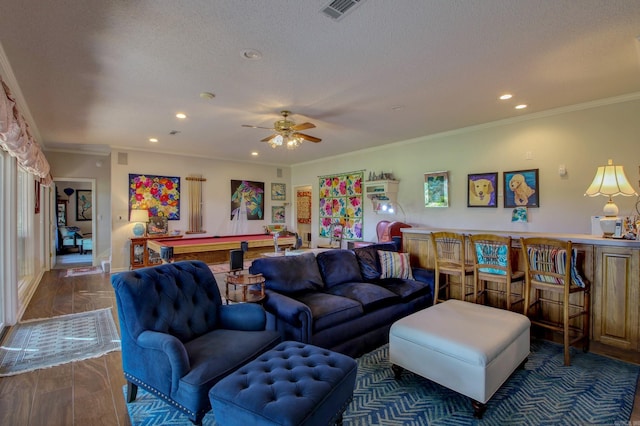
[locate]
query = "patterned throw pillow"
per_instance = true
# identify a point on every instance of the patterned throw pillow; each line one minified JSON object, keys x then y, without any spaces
{"x":395,"y":265}
{"x":492,"y":254}
{"x":554,"y":261}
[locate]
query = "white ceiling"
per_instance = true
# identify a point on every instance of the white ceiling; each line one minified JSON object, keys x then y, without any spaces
{"x":98,"y":73}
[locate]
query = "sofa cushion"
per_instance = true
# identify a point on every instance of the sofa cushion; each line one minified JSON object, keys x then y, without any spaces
{"x":369,"y":260}
{"x":394,"y":265}
{"x":328,"y":310}
{"x":371,"y":296}
{"x":338,"y":266}
{"x":405,"y":289}
{"x":289,"y":274}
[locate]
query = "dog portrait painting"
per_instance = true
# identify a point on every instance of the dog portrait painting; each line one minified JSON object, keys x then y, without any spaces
{"x":521,"y":188}
{"x":482,"y":190}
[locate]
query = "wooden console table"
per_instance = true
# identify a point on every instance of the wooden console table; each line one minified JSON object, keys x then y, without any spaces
{"x":139,"y":255}
{"x":612,"y":266}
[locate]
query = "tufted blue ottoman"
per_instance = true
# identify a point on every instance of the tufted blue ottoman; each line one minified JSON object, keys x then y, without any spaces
{"x":292,"y":384}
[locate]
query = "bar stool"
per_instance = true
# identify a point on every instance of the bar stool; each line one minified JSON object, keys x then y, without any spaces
{"x":494,"y":263}
{"x":550,"y":268}
{"x":450,"y":260}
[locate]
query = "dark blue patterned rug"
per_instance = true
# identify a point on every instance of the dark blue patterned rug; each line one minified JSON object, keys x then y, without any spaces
{"x":595,"y":390}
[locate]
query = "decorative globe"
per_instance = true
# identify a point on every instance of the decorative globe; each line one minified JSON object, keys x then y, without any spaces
{"x":138,"y":229}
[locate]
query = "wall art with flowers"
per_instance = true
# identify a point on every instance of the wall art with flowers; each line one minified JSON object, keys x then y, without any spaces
{"x":341,"y":204}
{"x":158,"y":194}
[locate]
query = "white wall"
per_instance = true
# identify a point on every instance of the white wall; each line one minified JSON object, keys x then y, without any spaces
{"x":216,"y":194}
{"x":582,"y":138}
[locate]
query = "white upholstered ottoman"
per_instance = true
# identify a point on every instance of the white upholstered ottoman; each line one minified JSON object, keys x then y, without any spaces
{"x":469,"y":348}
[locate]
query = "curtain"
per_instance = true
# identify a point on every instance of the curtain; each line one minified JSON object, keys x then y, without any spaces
{"x":16,"y":139}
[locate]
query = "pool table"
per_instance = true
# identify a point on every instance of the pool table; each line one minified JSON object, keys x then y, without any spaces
{"x":216,"y":249}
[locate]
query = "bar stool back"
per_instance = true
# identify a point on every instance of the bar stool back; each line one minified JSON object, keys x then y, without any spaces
{"x":550,"y":268}
{"x":493,"y":262}
{"x":451,"y":260}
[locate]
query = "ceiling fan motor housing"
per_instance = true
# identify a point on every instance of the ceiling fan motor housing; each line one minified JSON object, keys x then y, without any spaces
{"x":283,"y":125}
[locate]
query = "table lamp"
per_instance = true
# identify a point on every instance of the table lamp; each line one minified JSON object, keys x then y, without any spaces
{"x":610,"y":181}
{"x":140,"y":217}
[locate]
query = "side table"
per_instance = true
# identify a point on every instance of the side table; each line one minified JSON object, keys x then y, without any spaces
{"x":242,"y":288}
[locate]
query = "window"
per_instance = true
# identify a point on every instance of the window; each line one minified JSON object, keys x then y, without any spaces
{"x":25,"y":218}
{"x":3,"y":237}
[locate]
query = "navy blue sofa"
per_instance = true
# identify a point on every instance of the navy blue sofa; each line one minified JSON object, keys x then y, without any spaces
{"x":178,"y":339}
{"x":337,"y":300}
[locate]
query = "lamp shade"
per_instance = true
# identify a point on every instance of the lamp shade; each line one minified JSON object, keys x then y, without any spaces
{"x":139,"y":216}
{"x":610,"y":181}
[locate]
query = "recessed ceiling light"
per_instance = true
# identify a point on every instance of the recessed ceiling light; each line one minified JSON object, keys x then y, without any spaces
{"x":181,"y":115}
{"x":153,"y":139}
{"x":506,"y":96}
{"x":251,"y":54}
{"x":255,"y":154}
{"x":521,"y":106}
{"x":397,"y":107}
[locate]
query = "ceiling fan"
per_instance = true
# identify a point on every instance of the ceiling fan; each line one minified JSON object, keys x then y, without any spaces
{"x":287,"y":132}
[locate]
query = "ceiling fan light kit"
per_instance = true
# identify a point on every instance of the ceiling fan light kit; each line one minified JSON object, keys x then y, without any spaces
{"x":287,"y":132}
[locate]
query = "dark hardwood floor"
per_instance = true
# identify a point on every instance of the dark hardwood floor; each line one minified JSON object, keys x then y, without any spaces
{"x":79,"y":393}
{"x":90,"y":392}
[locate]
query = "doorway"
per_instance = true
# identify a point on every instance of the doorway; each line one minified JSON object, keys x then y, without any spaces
{"x":303,"y":195}
{"x":75,"y":223}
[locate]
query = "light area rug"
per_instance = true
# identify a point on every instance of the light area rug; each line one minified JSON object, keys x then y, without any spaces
{"x":593,"y":390}
{"x":44,"y":343}
{"x":84,"y":270}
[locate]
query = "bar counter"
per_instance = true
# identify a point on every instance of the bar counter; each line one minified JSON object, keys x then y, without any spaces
{"x":611,"y":265}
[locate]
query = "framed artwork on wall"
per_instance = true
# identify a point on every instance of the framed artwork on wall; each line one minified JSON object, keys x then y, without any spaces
{"x":158,"y":225}
{"x":521,"y":188}
{"x":84,"y":209}
{"x":158,"y":194}
{"x":482,"y":190}
{"x":277,"y":214}
{"x":340,"y":203}
{"x":303,"y":200}
{"x":279,"y":191}
{"x":436,"y":189}
{"x":247,"y":200}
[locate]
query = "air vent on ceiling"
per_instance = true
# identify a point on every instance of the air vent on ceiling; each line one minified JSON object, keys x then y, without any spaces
{"x":338,"y":8}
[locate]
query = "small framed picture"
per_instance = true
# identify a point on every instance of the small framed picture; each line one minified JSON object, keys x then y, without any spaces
{"x":521,"y":188}
{"x":436,"y":189}
{"x":279,"y":191}
{"x":158,"y":225}
{"x":277,"y":214}
{"x":84,"y":209}
{"x":482,"y":190}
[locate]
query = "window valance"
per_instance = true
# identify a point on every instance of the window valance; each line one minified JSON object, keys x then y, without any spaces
{"x":16,"y":139}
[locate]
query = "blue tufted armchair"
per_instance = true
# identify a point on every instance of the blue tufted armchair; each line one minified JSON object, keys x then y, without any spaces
{"x":178,"y":339}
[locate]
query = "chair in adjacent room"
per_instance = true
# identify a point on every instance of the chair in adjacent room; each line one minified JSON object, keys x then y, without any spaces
{"x":553,"y":279}
{"x":178,"y":339}
{"x":493,"y":262}
{"x":450,"y":257}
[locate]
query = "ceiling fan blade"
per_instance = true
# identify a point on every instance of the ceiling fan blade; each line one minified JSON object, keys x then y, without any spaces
{"x":268,"y":138}
{"x":307,"y":137}
{"x":257,"y":127}
{"x":303,"y":126}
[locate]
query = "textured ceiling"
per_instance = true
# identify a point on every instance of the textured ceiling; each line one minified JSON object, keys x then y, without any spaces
{"x":99,"y":73}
